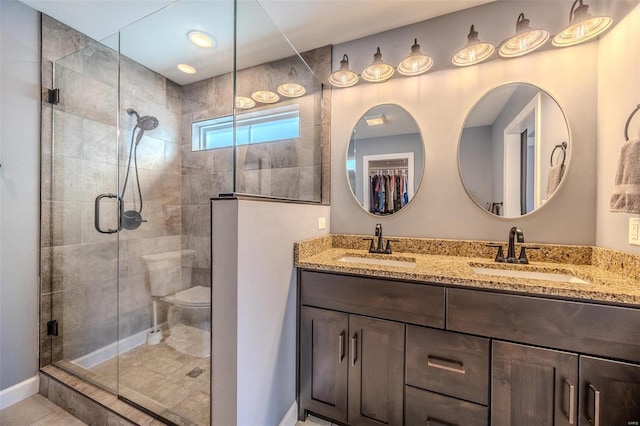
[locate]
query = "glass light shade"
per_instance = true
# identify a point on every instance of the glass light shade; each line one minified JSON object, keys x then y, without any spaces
{"x":186,"y":68}
{"x":200,"y":39}
{"x":474,"y":52}
{"x":265,"y":97}
{"x":344,"y":77}
{"x":583,"y":26}
{"x":292,"y":89}
{"x":416,"y":63}
{"x":378,"y":71}
{"x":242,"y":102}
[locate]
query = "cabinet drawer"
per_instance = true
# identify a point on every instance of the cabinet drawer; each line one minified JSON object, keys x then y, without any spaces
{"x":427,"y":408}
{"x":608,"y":331}
{"x":394,"y":300}
{"x":448,"y":363}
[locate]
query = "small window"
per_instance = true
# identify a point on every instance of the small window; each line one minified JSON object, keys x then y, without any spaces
{"x":270,"y":125}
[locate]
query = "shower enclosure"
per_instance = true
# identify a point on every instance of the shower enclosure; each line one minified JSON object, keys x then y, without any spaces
{"x":132,"y":152}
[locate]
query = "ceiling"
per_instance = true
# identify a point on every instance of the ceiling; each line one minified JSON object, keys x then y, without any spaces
{"x":153,"y":32}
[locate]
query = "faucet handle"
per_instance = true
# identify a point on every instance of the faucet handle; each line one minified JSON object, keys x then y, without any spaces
{"x":522,"y":258}
{"x":387,"y":250}
{"x":372,"y":247}
{"x":500,"y":254}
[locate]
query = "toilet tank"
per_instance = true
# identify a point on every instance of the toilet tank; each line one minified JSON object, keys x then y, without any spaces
{"x":169,"y":272}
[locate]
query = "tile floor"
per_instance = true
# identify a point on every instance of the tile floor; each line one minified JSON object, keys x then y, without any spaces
{"x":314,"y":421}
{"x":167,"y":382}
{"x":37,"y":411}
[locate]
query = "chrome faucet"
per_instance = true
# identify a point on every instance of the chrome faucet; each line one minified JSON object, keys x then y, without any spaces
{"x":379,"y":249}
{"x":514,"y":233}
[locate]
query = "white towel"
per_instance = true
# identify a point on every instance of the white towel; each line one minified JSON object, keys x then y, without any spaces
{"x":555,"y":177}
{"x":626,"y":191}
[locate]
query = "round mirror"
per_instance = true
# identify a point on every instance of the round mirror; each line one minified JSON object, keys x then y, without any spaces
{"x":385,"y":159}
{"x":514,"y":150}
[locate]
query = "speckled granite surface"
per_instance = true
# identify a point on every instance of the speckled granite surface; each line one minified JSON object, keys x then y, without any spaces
{"x":611,"y":276}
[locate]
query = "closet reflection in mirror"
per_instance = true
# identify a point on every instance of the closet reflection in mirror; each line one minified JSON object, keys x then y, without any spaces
{"x":385,"y":159}
{"x":514,"y":149}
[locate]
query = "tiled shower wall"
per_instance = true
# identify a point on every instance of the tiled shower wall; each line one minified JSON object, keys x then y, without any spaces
{"x":79,"y":162}
{"x":79,"y":265}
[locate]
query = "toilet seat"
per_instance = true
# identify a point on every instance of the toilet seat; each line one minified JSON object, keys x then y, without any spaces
{"x":193,"y":297}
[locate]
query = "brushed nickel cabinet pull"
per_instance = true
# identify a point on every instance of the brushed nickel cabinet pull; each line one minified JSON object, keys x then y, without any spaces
{"x":341,"y":346}
{"x":354,"y":349}
{"x":445,"y":364}
{"x":595,"y":421}
{"x":572,"y":401}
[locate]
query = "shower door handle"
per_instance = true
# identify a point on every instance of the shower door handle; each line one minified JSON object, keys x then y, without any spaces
{"x":97,"y":213}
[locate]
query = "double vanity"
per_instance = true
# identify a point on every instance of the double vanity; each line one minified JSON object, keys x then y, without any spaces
{"x":438,"y":333}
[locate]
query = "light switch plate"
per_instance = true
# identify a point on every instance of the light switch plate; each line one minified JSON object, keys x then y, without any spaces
{"x":634,"y":231}
{"x":322,"y":223}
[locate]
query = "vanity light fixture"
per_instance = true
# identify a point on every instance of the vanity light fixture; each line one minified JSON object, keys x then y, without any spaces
{"x":582,"y":26}
{"x":378,"y":71}
{"x":186,"y":68}
{"x":474,"y":52}
{"x":242,"y":102}
{"x":292,"y":89}
{"x":201,"y":39}
{"x":526,"y":40}
{"x":375,"y":120}
{"x":265,"y":97}
{"x":416,"y":63}
{"x":344,"y":77}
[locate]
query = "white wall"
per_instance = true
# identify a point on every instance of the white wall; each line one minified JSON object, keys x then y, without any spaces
{"x":254,"y":306}
{"x":440,"y":102}
{"x":19,"y":191}
{"x":618,"y":95}
{"x":476,"y":156}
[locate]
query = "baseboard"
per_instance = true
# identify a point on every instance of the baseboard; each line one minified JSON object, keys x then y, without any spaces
{"x":291,"y":417}
{"x":19,"y":391}
{"x":116,"y":348}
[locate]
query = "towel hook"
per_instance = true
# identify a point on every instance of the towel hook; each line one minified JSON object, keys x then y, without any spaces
{"x":562,"y":146}
{"x":626,"y":127}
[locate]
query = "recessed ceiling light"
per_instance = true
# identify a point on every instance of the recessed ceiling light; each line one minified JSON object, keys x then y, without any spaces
{"x":201,"y":39}
{"x":186,"y":68}
{"x":375,"y":120}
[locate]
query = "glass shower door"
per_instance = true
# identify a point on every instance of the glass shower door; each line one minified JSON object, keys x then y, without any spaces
{"x":80,"y":162}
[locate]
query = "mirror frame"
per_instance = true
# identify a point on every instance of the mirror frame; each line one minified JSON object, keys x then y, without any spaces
{"x":415,"y":176}
{"x":567,"y":159}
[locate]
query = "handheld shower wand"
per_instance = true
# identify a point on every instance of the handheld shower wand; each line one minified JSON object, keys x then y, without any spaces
{"x":133,"y":218}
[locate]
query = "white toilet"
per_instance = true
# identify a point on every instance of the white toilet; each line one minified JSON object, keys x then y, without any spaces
{"x":169,"y":277}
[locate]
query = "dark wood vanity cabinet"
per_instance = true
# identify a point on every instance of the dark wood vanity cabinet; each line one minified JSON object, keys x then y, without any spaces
{"x":610,"y":392}
{"x":533,"y":386}
{"x":374,"y":351}
{"x":355,"y":359}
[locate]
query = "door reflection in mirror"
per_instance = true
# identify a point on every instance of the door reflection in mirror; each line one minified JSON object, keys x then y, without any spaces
{"x":385,"y":159}
{"x":507,"y":146}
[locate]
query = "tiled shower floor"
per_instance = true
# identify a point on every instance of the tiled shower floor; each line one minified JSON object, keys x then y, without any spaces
{"x":161,"y":380}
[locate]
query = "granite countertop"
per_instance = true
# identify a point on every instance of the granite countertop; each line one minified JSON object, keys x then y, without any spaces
{"x":610,"y":276}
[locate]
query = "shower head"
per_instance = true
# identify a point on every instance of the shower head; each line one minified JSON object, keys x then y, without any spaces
{"x":145,"y":123}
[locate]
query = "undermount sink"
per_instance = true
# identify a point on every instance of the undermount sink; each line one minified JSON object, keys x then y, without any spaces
{"x":404,"y":262}
{"x":565,"y":276}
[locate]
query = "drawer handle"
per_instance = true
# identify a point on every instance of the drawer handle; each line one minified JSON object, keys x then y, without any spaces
{"x":445,"y":364}
{"x":595,"y":421}
{"x":434,"y":422}
{"x":341,"y":347}
{"x":354,"y":349}
{"x":572,"y":401}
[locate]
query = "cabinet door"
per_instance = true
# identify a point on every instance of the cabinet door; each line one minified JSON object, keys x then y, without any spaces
{"x":533,"y":386}
{"x":323,"y":362}
{"x":376,"y":372}
{"x":610,"y":393}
